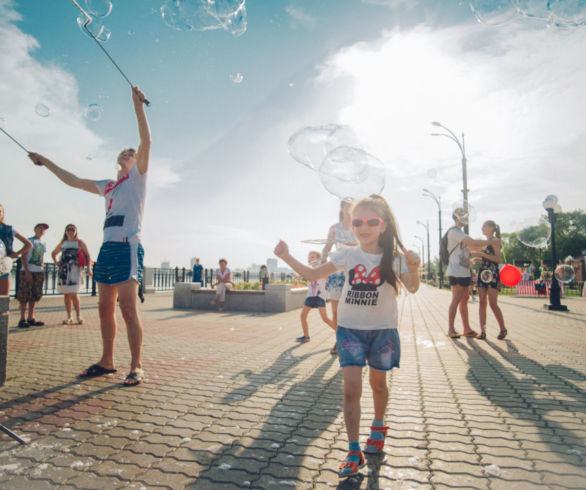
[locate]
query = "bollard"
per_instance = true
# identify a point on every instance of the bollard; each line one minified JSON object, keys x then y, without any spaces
{"x":4,"y":306}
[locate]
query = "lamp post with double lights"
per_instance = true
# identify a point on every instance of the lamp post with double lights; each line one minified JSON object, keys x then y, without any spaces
{"x":552,"y":207}
{"x":426,"y":226}
{"x":438,"y":201}
{"x":461,"y":144}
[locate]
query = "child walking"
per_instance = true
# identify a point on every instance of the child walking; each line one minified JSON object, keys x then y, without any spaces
{"x":316,"y":298}
{"x":367,"y":315}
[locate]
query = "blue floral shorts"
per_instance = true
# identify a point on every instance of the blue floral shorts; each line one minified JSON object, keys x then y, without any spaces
{"x":380,"y":348}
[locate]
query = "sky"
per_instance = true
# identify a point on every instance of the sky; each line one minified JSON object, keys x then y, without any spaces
{"x":221,"y":180}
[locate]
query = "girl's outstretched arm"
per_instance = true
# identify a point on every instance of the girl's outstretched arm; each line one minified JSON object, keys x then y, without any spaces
{"x":144,"y":131}
{"x":411,"y":279}
{"x":311,"y":274}
{"x":63,"y":175}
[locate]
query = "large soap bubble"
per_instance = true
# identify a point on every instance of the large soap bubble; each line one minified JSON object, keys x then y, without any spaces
{"x":93,"y":112}
{"x":493,"y":12}
{"x":564,"y":273}
{"x":100,"y":31}
{"x":486,"y":276}
{"x":568,"y":13}
{"x":42,"y":110}
{"x":223,"y":9}
{"x":236,"y":24}
{"x":534,"y":235}
{"x":352,"y":172}
{"x":99,"y":8}
{"x":533,"y":9}
{"x":203,"y":15}
{"x":310,"y":145}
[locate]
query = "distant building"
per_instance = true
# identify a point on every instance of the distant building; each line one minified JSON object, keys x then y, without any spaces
{"x":192,"y":262}
{"x":254,"y":268}
{"x":165,"y":264}
{"x":273,"y":265}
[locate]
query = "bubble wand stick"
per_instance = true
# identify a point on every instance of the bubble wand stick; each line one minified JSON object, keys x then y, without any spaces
{"x":14,"y":140}
{"x":85,"y":26}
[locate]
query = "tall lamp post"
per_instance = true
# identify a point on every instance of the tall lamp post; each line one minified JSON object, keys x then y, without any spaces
{"x":438,"y":201}
{"x":426,"y":226}
{"x":422,"y":246}
{"x":552,"y":207}
{"x":450,"y":134}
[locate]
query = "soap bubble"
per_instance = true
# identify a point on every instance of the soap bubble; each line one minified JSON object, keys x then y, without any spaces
{"x":564,"y":273}
{"x":236,"y":24}
{"x":223,"y":9}
{"x":310,"y":145}
{"x":99,"y":8}
{"x":533,"y":9}
{"x":189,"y":15}
{"x":100,"y":32}
{"x":352,"y":172}
{"x":42,"y":110}
{"x":493,"y":12}
{"x":534,"y":235}
{"x":568,"y":13}
{"x":5,"y":265}
{"x":486,"y":276}
{"x":465,"y":216}
{"x":93,"y":112}
{"x":237,"y":78}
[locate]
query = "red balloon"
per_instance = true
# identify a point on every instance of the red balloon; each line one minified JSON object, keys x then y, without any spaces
{"x":510,"y":276}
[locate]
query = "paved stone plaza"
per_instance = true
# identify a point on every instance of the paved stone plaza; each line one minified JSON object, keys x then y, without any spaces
{"x":232,"y":401}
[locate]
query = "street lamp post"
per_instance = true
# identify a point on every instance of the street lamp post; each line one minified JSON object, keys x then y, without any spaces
{"x":552,"y":207}
{"x":438,"y":201}
{"x":422,"y":246}
{"x":426,"y":226}
{"x":462,"y":146}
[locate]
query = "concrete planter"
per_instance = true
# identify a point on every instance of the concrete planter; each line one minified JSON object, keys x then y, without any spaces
{"x":4,"y":306}
{"x":275,"y":299}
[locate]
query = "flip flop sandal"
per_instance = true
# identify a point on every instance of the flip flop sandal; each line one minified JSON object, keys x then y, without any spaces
{"x":353,"y":466}
{"x":482,"y":336}
{"x":472,"y":334}
{"x":133,"y":379}
{"x":378,"y":444}
{"x":502,"y":335}
{"x":96,"y":370}
{"x":453,"y":335}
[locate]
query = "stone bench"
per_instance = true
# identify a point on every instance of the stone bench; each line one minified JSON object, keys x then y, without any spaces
{"x":275,"y":298}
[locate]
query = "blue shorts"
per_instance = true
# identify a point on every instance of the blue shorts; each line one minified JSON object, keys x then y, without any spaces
{"x":118,"y":262}
{"x":381,"y":348}
{"x":314,"y":302}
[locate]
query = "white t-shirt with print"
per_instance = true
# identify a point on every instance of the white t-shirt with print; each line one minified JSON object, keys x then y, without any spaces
{"x":459,"y":264}
{"x":365,"y":303}
{"x":35,"y":256}
{"x":316,"y":288}
{"x":125,"y":200}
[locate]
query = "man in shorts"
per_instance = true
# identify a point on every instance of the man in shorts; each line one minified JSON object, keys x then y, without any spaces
{"x":31,"y":278}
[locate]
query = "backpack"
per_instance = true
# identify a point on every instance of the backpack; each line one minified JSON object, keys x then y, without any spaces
{"x":444,"y":253}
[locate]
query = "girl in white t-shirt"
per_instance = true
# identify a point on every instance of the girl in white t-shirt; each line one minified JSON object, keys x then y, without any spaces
{"x":223,"y":283}
{"x":367,"y":314}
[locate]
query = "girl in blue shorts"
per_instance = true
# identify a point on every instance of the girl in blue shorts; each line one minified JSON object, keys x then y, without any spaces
{"x":367,"y":315}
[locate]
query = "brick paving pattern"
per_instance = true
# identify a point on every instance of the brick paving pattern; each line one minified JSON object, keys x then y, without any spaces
{"x":232,"y":401}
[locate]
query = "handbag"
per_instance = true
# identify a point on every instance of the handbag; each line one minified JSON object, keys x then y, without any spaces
{"x":81,"y":258}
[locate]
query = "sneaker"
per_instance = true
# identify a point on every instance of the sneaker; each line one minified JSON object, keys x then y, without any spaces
{"x":80,"y":321}
{"x":34,"y":323}
{"x":303,"y":338}
{"x":23,"y":324}
{"x":68,"y":321}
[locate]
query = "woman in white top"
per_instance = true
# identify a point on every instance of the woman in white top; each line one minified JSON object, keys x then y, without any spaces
{"x":118,"y":270}
{"x":70,"y":277}
{"x":340,"y":235}
{"x":223,"y":283}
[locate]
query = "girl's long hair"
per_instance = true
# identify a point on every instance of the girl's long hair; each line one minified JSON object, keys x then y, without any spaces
{"x":389,"y":241}
{"x":65,"y":232}
{"x":497,"y":228}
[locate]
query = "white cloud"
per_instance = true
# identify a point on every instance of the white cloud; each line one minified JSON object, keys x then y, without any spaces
{"x":300,"y":17}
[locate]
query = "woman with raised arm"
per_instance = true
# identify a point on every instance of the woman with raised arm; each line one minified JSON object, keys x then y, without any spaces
{"x":118,"y":270}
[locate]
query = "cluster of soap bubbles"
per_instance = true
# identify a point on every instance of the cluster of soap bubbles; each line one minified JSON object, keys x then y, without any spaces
{"x":534,"y":234}
{"x":565,"y":14}
{"x":204,"y":15}
{"x":97,"y":9}
{"x":334,"y":152}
